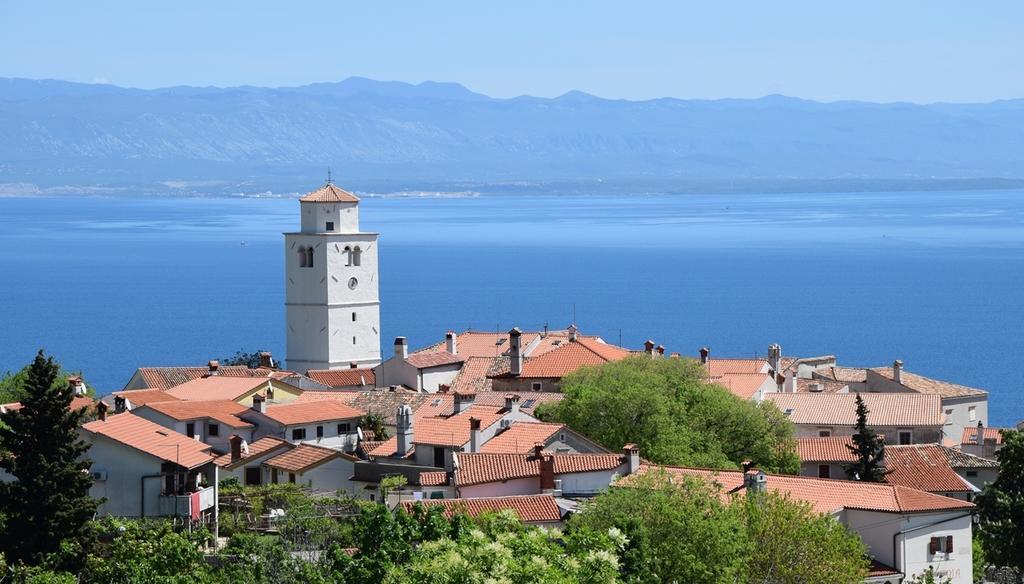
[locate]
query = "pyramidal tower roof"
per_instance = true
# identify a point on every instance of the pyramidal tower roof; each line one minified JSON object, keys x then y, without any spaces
{"x":329,"y":193}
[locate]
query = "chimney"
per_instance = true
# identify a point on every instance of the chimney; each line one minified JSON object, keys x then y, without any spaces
{"x":632,"y":454}
{"x":403,"y":430}
{"x":266,"y":360}
{"x":775,"y":357}
{"x":705,"y":355}
{"x":236,"y":447}
{"x":101,"y":411}
{"x":754,"y":481}
{"x":780,"y":382}
{"x":120,"y":404}
{"x":649,"y":347}
{"x":462,"y":401}
{"x":474,"y":434}
{"x":213,"y":365}
{"x":660,"y":350}
{"x":401,"y":348}
{"x":547,"y":473}
{"x":572,"y":332}
{"x":515,"y":353}
{"x":77,"y":384}
{"x":259,"y":403}
{"x":897,"y":371}
{"x":512,"y":403}
{"x":451,"y":342}
{"x":791,"y":383}
{"x":353,"y":365}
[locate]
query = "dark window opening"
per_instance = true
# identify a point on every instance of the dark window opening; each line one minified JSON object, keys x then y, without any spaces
{"x":213,"y":430}
{"x":439,"y":457}
{"x":824,"y":433}
{"x":824,"y":471}
{"x":291,"y":477}
{"x":253,"y":475}
{"x":299,"y":434}
{"x":330,"y":226}
{"x":190,"y":429}
{"x":906,"y":438}
{"x":319,"y":431}
{"x":344,"y":428}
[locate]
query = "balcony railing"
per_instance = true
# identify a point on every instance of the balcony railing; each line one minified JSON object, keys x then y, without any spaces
{"x":189,"y":504}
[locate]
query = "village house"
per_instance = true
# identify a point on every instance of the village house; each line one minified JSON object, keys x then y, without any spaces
{"x":211,"y":422}
{"x":905,"y":530}
{"x":318,"y":468}
{"x":538,"y":510}
{"x":244,"y":461}
{"x":326,"y":423}
{"x":351,"y":379}
{"x":544,"y":372}
{"x":142,"y":469}
{"x":237,"y":389}
{"x":981,"y":441}
{"x":167,"y":377}
{"x":903,"y":418}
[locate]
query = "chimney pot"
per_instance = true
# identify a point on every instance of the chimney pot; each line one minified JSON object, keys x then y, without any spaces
{"x":401,"y":348}
{"x":705,"y":355}
{"x":404,"y":430}
{"x":236,"y":447}
{"x":661,"y":350}
{"x":266,"y":360}
{"x":632,"y":453}
{"x":451,"y":342}
{"x":120,"y":404}
{"x":101,"y":411}
{"x":547,"y":473}
{"x":474,"y":434}
{"x":462,"y":401}
{"x":512,"y":403}
{"x":259,"y":403}
{"x":515,"y":353}
{"x":573,"y":332}
{"x":897,"y":371}
{"x":538,"y":450}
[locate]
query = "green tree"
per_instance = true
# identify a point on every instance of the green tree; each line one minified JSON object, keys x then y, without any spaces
{"x":797,"y":545}
{"x":148,"y":551}
{"x":868,"y":447}
{"x":676,"y":532}
{"x":667,"y":408}
{"x":48,"y":503}
{"x":13,"y":388}
{"x":1001,"y":506}
{"x":250,"y":360}
{"x":373,"y":422}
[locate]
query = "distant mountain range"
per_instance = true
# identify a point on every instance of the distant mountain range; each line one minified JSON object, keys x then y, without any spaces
{"x":57,"y":136}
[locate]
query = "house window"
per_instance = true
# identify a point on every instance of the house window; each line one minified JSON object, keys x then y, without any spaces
{"x":319,"y":431}
{"x":252,"y":475}
{"x":940,"y":545}
{"x":213,"y":429}
{"x":273,"y":475}
{"x":344,"y":428}
{"x":190,"y":429}
{"x":824,"y":471}
{"x":906,"y":437}
{"x":291,"y":478}
{"x":537,"y":385}
{"x":298,"y":434}
{"x":309,"y":257}
{"x":330,"y":226}
{"x":972,"y":474}
{"x":439,"y":456}
{"x":824,"y":433}
{"x":972,"y":413}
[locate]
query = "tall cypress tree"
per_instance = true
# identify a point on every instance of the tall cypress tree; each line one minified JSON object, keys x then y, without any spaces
{"x":48,"y":504}
{"x":868,"y":447}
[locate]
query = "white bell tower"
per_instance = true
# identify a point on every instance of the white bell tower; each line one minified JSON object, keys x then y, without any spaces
{"x":332,"y":303}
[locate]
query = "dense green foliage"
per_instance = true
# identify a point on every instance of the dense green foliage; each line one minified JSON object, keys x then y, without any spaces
{"x":1001,"y":506}
{"x":689,"y":532}
{"x":47,"y":507}
{"x":868,"y":447}
{"x":248,"y":359}
{"x":668,"y":409}
{"x":13,"y":388}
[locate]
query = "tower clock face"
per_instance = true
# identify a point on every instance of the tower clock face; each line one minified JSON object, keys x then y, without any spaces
{"x":352,"y":283}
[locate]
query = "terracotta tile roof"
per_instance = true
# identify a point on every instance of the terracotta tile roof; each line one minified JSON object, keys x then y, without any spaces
{"x":168,"y":377}
{"x":922,"y":384}
{"x":843,"y":374}
{"x":819,"y":385}
{"x":480,"y":468}
{"x":924,"y":467}
{"x":329,"y":193}
{"x":216,"y":388}
{"x":743,"y":385}
{"x":970,"y":435}
{"x":830,"y":449}
{"x":77,"y":403}
{"x":310,"y":412}
{"x":839,"y":409}
{"x":528,"y":400}
{"x":433,"y":478}
{"x":382,"y":402}
{"x":472,"y":378}
{"x":141,"y":397}
{"x":152,"y":439}
{"x":879,"y":569}
{"x":304,"y":457}
{"x":827,"y":495}
{"x":436,"y":359}
{"x":453,"y":430}
{"x":567,"y":358}
{"x":520,"y":437}
{"x":478,"y":344}
{"x":529,"y":508}
{"x":256,"y":449}
{"x":960,"y":459}
{"x":343,"y":377}
{"x":718,"y":367}
{"x":224,"y":411}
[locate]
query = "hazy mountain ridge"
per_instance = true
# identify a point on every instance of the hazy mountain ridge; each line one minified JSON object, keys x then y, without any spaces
{"x":60,"y":133}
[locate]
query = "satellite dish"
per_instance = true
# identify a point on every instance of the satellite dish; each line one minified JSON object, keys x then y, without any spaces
{"x":359,"y":433}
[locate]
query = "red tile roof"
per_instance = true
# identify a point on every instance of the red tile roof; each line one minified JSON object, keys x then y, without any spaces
{"x":433,"y":478}
{"x":453,"y":430}
{"x":152,"y":439}
{"x":343,"y":377}
{"x":717,"y":367}
{"x":743,"y":385}
{"x":479,"y":468}
{"x":528,"y":400}
{"x":520,"y":437}
{"x":216,"y":388}
{"x":839,"y":409}
{"x":311,"y":412}
{"x":568,"y":358}
{"x":78,"y":402}
{"x":424,"y":360}
{"x":819,"y":385}
{"x":827,"y":495}
{"x":842,"y":374}
{"x":256,"y":449}
{"x":529,"y":508}
{"x":329,"y":193}
{"x":168,"y":377}
{"x":472,"y":378}
{"x":924,"y":467}
{"x":141,"y":397}
{"x":224,"y":411}
{"x":304,"y":457}
{"x":478,"y":344}
{"x":922,"y":384}
{"x":970,"y":435}
{"x":829,"y":449}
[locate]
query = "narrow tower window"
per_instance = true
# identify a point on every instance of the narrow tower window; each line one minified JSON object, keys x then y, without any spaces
{"x":357,"y":256}
{"x":302,"y":256}
{"x":309,"y":257}
{"x":348,"y":256}
{"x":330,"y":226}
{"x":353,"y":317}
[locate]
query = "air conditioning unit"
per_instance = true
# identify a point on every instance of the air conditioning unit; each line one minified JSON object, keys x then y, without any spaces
{"x":505,"y":423}
{"x":98,"y":475}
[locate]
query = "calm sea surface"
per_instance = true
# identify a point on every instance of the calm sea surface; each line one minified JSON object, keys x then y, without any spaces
{"x":935,"y":279}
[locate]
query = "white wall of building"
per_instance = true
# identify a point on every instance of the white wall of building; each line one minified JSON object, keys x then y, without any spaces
{"x":433,"y":377}
{"x":524,"y":486}
{"x":123,"y":488}
{"x":202,"y":428}
{"x":588,"y":483}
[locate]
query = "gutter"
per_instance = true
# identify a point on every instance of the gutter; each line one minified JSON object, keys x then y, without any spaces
{"x":918,"y":528}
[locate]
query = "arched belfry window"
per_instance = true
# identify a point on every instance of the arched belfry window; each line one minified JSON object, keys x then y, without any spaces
{"x":357,"y":256}
{"x":348,"y":256}
{"x":309,"y":257}
{"x":302,"y":256}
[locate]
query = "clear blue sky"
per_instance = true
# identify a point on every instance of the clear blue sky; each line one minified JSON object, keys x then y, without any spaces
{"x":893,"y":50}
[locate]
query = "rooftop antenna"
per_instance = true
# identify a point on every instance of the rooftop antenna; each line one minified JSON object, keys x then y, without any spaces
{"x":620,"y":337}
{"x":329,"y":175}
{"x":573,"y":314}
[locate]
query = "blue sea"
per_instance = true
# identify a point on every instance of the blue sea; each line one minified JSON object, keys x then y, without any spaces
{"x":933,"y":278}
